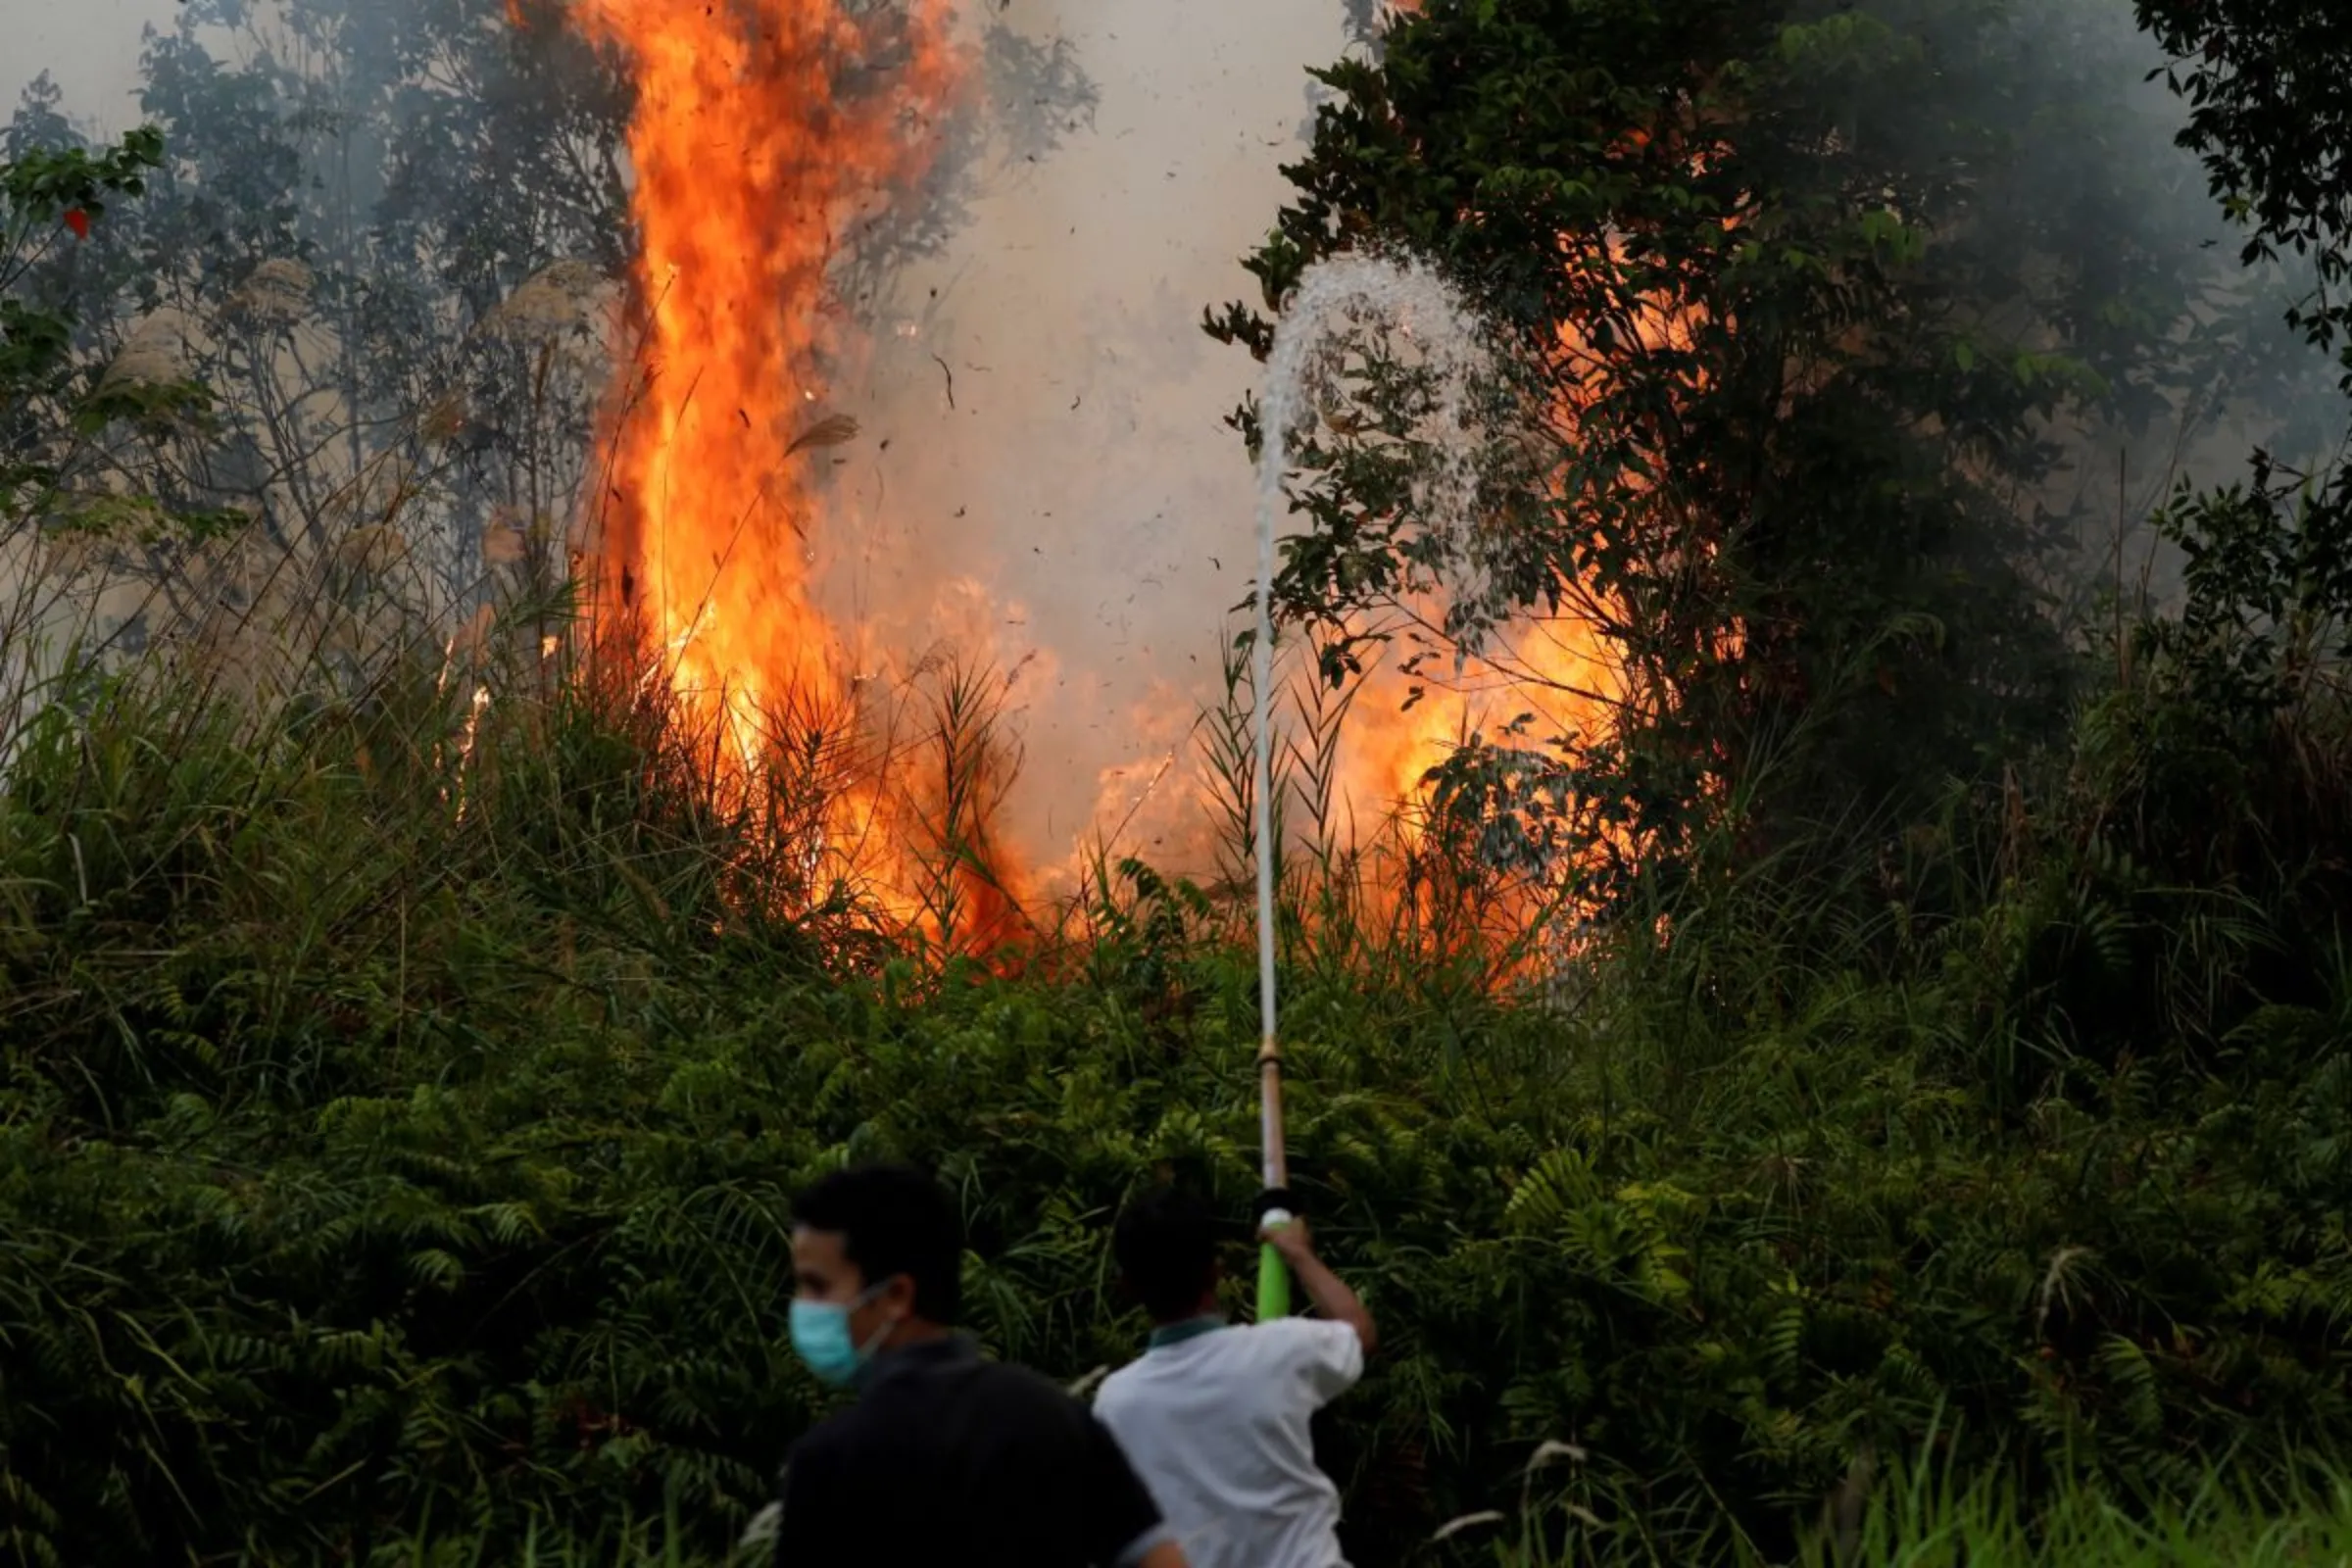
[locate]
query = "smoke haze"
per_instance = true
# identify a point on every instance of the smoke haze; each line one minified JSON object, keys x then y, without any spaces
{"x":91,"y":48}
{"x":1058,"y":485}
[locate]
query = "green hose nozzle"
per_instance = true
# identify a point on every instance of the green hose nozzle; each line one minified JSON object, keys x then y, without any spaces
{"x":1273,"y":1282}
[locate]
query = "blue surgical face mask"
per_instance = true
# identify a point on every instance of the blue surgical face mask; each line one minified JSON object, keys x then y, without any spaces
{"x":820,"y":1336}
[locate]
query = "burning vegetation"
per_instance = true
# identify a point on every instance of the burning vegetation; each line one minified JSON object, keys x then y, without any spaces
{"x":703,"y":547}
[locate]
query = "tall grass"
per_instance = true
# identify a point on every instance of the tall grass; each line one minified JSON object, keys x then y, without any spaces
{"x":1921,"y":1516}
{"x":407,"y":1078}
{"x":1930,"y":1518}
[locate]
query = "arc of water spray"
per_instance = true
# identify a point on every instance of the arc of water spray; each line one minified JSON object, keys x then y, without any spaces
{"x":1328,"y":296}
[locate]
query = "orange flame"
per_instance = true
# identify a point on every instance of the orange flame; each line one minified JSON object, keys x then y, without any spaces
{"x":760,"y":127}
{"x":1542,"y":678}
{"x":1549,"y":674}
{"x":746,"y":155}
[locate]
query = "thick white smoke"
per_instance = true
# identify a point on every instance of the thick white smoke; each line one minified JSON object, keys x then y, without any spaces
{"x":1058,"y":484}
{"x":89,"y":48}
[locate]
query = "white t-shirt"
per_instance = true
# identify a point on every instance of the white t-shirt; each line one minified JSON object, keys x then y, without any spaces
{"x":1217,"y":1425}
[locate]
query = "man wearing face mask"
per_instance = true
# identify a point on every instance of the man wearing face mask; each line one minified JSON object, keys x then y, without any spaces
{"x":946,"y":1458}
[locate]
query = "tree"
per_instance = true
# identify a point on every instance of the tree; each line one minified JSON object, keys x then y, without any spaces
{"x":2225,"y":755}
{"x":51,"y":198}
{"x":1813,"y":305}
{"x":56,"y":405}
{"x":391,"y":222}
{"x":2269,"y":86}
{"x":356,"y":197}
{"x":423,"y":163}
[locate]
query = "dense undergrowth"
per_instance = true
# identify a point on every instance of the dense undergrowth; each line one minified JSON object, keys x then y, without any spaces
{"x":1917,"y":1519}
{"x":403,"y":1096}
{"x":403,"y":1100}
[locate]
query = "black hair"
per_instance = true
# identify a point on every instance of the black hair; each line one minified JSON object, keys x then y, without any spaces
{"x":891,"y":1220}
{"x":1165,"y":1243}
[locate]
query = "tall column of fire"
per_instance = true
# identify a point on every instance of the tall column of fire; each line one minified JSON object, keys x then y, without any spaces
{"x":759,"y":129}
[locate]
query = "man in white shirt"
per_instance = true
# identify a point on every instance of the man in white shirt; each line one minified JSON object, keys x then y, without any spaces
{"x":1214,"y":1418}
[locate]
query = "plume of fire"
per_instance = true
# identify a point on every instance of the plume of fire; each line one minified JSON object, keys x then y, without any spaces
{"x":760,"y":127}
{"x":1548,"y":677}
{"x":1541,"y":681}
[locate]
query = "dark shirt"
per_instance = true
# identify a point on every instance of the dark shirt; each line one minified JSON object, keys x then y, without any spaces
{"x":948,"y":1458}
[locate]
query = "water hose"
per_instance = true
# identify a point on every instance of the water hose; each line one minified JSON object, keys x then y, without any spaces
{"x":1273,"y":1278}
{"x":1330,"y":297}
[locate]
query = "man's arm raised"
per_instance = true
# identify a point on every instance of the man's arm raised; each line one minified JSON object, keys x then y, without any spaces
{"x":1327,"y":1290}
